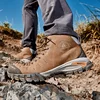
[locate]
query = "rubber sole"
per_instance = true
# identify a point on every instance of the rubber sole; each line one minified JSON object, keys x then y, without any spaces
{"x":66,"y":68}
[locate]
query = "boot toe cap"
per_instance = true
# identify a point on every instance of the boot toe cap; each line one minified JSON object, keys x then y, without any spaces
{"x":13,"y":69}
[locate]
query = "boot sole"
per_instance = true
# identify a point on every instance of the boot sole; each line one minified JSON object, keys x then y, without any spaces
{"x":66,"y":68}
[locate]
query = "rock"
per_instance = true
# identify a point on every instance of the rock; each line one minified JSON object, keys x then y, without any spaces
{"x":24,"y":91}
{"x":96,"y":95}
{"x":2,"y":74}
{"x":1,"y":43}
{"x":3,"y":88}
{"x":90,"y":74}
{"x":77,"y":91}
{"x":4,"y":55}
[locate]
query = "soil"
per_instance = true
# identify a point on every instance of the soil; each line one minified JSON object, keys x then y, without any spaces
{"x":81,"y":85}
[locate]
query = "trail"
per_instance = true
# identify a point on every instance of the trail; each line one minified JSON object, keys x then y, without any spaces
{"x":71,"y":87}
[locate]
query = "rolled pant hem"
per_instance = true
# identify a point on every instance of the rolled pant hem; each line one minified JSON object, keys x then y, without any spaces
{"x":57,"y":30}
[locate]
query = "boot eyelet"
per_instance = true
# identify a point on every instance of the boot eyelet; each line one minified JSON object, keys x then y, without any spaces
{"x":39,"y":57}
{"x":35,"y":60}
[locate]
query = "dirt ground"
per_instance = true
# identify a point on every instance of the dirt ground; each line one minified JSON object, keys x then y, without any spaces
{"x":81,"y":84}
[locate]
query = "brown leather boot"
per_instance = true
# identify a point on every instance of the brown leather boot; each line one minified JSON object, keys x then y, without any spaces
{"x":25,"y":55}
{"x":61,"y":55}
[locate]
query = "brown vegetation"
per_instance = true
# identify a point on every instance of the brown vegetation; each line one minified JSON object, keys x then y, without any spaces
{"x":89,"y":31}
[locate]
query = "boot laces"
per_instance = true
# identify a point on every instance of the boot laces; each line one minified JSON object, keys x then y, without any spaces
{"x":44,"y":40}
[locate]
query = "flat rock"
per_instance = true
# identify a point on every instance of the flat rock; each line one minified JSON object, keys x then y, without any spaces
{"x":24,"y":91}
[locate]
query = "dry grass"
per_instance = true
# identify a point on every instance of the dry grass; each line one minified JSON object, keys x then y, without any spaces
{"x":11,"y":32}
{"x":89,"y":31}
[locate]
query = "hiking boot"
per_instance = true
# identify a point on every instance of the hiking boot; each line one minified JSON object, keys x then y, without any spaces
{"x":60,"y":55}
{"x":25,"y":55}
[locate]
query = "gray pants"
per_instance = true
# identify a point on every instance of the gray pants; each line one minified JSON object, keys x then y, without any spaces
{"x":57,"y":16}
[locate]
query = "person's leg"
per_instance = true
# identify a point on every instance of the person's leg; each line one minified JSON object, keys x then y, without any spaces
{"x":57,"y":16}
{"x":30,"y":23}
{"x":62,"y":53}
{"x":30,"y":30}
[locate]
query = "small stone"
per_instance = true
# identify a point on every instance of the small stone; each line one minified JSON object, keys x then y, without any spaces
{"x":2,"y":74}
{"x":1,"y":43}
{"x":96,"y":95}
{"x":77,"y":91}
{"x":90,"y":74}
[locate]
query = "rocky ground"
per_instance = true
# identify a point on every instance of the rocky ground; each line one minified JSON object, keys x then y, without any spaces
{"x":82,"y":86}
